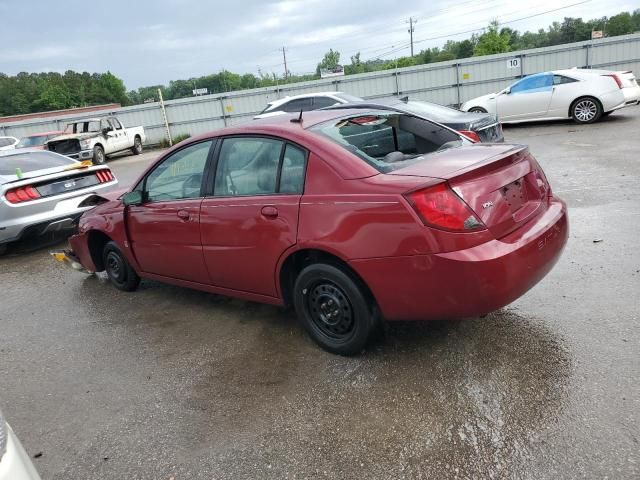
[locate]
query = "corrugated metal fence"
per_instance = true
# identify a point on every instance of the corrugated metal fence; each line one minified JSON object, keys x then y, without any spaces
{"x":447,"y":83}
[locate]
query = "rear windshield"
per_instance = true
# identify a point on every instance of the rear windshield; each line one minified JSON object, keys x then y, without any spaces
{"x":34,"y":141}
{"x":388,"y":141}
{"x":32,"y":161}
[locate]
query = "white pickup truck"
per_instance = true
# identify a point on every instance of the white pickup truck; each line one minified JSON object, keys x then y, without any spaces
{"x":95,"y":138}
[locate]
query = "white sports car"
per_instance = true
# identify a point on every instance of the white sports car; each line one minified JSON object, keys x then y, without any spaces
{"x":584,"y":95}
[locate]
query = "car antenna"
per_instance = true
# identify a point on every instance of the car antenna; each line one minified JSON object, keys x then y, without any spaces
{"x":297,"y":120}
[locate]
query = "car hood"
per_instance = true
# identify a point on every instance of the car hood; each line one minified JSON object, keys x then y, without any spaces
{"x":71,"y":136}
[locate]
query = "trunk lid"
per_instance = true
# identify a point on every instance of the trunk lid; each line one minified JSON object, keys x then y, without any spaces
{"x":502,"y":184}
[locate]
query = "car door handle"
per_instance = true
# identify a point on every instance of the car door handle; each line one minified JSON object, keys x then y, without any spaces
{"x":183,"y":215}
{"x":269,"y":211}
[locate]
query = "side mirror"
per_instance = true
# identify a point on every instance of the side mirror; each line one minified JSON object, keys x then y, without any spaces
{"x":507,"y":91}
{"x":106,"y":130}
{"x":133,"y":198}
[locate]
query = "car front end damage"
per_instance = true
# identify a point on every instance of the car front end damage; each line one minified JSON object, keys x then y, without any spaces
{"x":77,"y":148}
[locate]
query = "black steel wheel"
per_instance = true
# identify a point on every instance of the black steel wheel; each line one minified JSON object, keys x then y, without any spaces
{"x":120,"y":273}
{"x":334,"y":308}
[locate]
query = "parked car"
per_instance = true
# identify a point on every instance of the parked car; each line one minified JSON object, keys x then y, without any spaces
{"x":583,"y":95}
{"x":96,"y":138}
{"x":36,"y":141}
{"x":480,"y":127}
{"x":42,"y":192}
{"x":305,"y":102}
{"x":8,"y":143}
{"x":350,"y":216}
{"x":15,"y":464}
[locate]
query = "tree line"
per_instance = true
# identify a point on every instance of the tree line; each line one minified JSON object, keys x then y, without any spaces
{"x":38,"y":92}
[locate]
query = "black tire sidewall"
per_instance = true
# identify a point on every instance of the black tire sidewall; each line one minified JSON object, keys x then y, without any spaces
{"x":135,"y":149}
{"x":598,"y":115}
{"x":131,"y":279}
{"x":96,"y":157}
{"x":363,"y":316}
{"x":477,"y":110}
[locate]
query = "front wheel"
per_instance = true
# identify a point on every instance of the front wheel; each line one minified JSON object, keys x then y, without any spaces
{"x":334,"y":309}
{"x":98,"y":155}
{"x":137,"y":146}
{"x":120,"y":272}
{"x":477,"y":110}
{"x":586,"y":110}
{"x":3,"y":249}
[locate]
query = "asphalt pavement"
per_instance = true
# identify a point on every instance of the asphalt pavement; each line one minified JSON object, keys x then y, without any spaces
{"x":169,"y":383}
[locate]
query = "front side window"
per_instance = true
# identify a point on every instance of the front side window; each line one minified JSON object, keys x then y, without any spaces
{"x":179,"y":176}
{"x":533,"y":84}
{"x":248,"y":166}
{"x":388,"y":141}
{"x":115,"y":123}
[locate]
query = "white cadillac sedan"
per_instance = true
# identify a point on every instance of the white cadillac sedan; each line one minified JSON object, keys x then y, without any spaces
{"x":584,"y":95}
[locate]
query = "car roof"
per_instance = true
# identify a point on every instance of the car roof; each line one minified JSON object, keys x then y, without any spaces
{"x":42,"y":134}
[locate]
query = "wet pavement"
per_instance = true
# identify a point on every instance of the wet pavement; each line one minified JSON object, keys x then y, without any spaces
{"x":173,"y":383}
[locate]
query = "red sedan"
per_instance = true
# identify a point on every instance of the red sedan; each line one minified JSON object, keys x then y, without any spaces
{"x":350,"y":216}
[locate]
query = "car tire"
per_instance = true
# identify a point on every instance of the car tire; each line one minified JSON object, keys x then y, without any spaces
{"x":120,"y":272}
{"x":477,"y":110}
{"x":586,"y":110}
{"x":334,"y":309}
{"x":98,"y":155}
{"x":137,"y":146}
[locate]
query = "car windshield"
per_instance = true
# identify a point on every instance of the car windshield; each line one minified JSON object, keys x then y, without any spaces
{"x":348,"y":98}
{"x":388,"y":141}
{"x":83,"y":127}
{"x":33,"y":141}
{"x":32,"y":161}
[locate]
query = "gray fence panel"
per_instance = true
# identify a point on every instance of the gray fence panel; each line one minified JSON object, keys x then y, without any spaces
{"x":447,"y":83}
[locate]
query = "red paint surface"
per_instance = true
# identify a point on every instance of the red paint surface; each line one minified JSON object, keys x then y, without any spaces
{"x":237,"y":245}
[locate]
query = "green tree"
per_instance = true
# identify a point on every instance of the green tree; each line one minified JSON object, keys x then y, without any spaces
{"x":492,"y":41}
{"x":330,"y":61}
{"x":620,"y":24}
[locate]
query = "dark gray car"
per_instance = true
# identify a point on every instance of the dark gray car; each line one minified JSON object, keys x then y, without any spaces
{"x":480,"y":127}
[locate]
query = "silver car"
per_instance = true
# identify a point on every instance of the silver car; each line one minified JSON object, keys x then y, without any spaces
{"x":42,"y":192}
{"x":15,"y":464}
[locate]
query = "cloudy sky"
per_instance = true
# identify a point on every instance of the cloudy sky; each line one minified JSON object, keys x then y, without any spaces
{"x":152,"y":42}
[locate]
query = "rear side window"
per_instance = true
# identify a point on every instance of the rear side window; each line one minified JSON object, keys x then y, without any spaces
{"x":292,"y":176}
{"x":297,"y":105}
{"x":561,"y":79}
{"x":388,"y":141}
{"x":32,"y":161}
{"x":322,"y":102}
{"x":4,"y":142}
{"x":247,"y":166}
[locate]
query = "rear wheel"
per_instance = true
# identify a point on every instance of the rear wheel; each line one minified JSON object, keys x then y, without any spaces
{"x":120,"y":273}
{"x":586,"y":110}
{"x":477,"y":110}
{"x":3,"y":249}
{"x":334,"y":309}
{"x":137,"y":146}
{"x":98,"y":155}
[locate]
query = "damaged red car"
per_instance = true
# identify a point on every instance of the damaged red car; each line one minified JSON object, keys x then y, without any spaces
{"x":352,"y":217}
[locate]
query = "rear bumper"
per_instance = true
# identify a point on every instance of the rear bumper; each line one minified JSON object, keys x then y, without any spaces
{"x":15,"y":463}
{"x":469,"y":282}
{"x":631,"y":95}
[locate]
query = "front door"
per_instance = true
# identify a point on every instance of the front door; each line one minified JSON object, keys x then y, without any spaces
{"x":165,"y":230}
{"x":251,"y":218}
{"x":527,"y":99}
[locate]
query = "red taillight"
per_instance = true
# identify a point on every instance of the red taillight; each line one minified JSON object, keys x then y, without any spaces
{"x":616,"y":78}
{"x":471,"y":135}
{"x":21,"y":194}
{"x":104,"y":176}
{"x":440,"y":207}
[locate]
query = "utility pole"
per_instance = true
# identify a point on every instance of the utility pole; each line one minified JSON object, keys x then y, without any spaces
{"x":412,"y":22}
{"x":284,"y":56}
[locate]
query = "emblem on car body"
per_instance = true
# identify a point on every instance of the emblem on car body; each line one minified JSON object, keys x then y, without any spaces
{"x":486,"y":205}
{"x":70,"y":184}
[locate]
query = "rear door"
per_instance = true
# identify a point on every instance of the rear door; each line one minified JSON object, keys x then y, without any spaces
{"x":527,"y":99}
{"x":250,"y":217}
{"x":165,"y":230}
